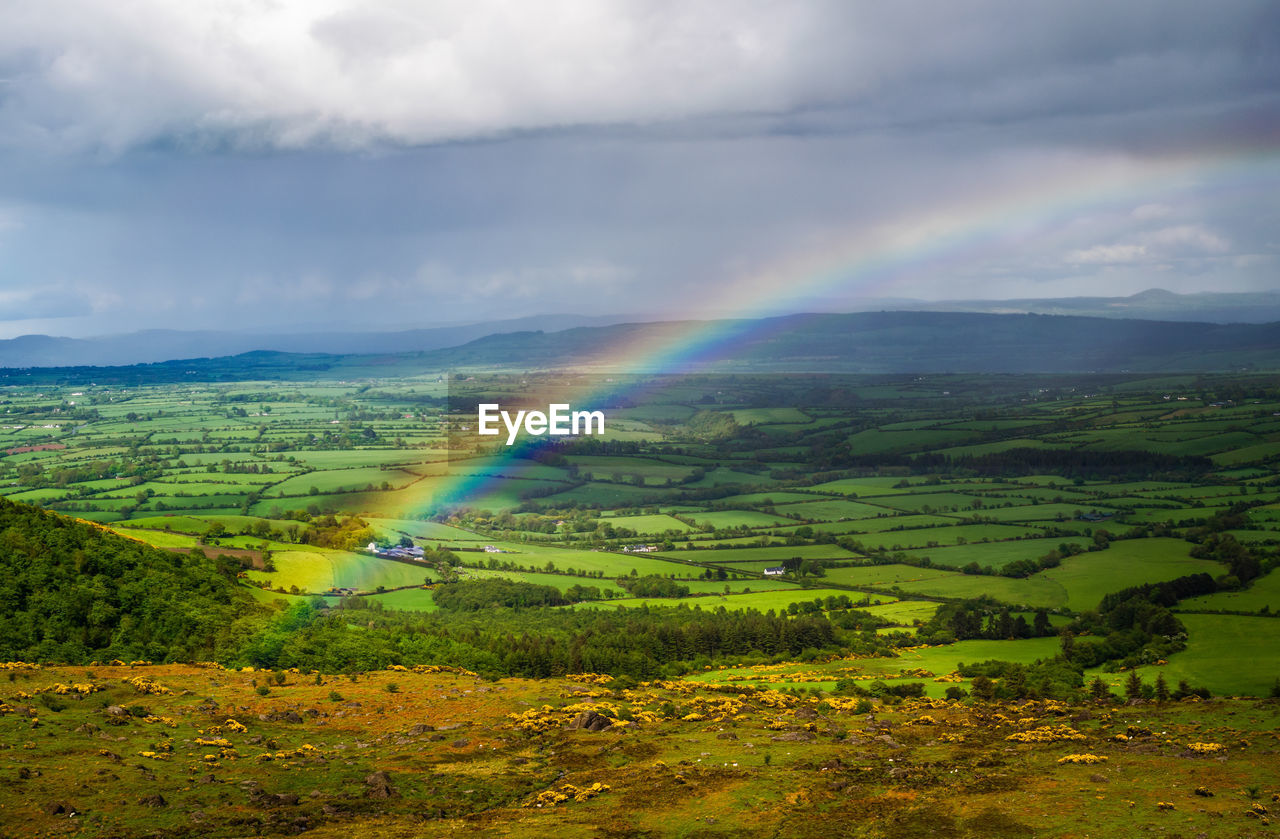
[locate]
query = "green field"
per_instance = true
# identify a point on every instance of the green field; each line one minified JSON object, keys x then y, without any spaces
{"x":762,"y":601}
{"x":316,"y":571}
{"x":996,"y":554}
{"x":1228,"y":654}
{"x":1087,"y":577}
{"x":650,"y":524}
{"x":747,"y":554}
{"x":729,"y":519}
{"x":1263,"y":593}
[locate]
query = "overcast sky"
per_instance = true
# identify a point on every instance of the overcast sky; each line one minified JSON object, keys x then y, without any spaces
{"x":291,"y":163}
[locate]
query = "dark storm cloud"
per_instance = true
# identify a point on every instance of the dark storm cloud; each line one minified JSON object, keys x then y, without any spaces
{"x":236,"y":164}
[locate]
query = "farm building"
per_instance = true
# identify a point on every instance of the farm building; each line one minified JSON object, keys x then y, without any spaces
{"x":776,"y":571}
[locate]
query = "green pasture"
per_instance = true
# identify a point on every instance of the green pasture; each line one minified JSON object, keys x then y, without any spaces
{"x":1263,"y":593}
{"x":877,"y":441}
{"x":729,"y":519}
{"x":904,"y":612}
{"x":1088,"y":577}
{"x":1228,"y":654}
{"x":562,"y":582}
{"x":892,"y":520}
{"x":159,"y":538}
{"x":423,"y":531}
{"x":1042,"y":512}
{"x":924,"y":541}
{"x":884,"y":576}
{"x":760,"y":601}
{"x":652,"y":524}
{"x":337,"y":480}
{"x":829,"y":510}
{"x":769,"y":499}
{"x":316,"y":570}
{"x":406,"y":599}
{"x":940,"y":661}
{"x":779,"y":553}
{"x":611,"y":564}
{"x":996,"y":554}
{"x":762,"y":416}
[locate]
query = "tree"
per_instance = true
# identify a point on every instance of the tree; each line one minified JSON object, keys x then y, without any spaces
{"x":983,"y":689}
{"x":1133,"y":686}
{"x":1162,"y":688}
{"x":1041,"y":626}
{"x":1098,"y":689}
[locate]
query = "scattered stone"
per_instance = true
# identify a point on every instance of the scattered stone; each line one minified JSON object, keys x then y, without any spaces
{"x":460,"y":743}
{"x":153,"y":800}
{"x":591,"y":721}
{"x":726,"y":735}
{"x":420,"y":729}
{"x":87,"y":728}
{"x":793,"y":737}
{"x":117,"y":711}
{"x":378,"y":785}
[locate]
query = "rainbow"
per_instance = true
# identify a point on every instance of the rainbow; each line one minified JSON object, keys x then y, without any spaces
{"x":873,"y":260}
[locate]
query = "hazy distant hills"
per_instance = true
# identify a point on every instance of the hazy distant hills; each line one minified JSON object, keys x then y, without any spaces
{"x":900,"y":342}
{"x":163,"y":345}
{"x":1153,"y":304}
{"x":862,"y":342}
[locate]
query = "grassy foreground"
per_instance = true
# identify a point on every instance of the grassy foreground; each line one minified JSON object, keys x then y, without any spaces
{"x":180,"y":750}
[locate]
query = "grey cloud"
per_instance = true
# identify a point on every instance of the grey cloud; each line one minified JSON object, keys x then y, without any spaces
{"x":89,"y":75}
{"x":268,"y":165}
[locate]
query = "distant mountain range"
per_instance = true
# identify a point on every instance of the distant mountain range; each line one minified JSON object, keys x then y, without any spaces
{"x":898,"y":342}
{"x":1153,"y":304}
{"x":154,"y":345}
{"x":862,"y":342}
{"x":163,"y":345}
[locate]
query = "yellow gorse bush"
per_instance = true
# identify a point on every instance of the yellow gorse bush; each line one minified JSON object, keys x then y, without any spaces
{"x":551,"y":797}
{"x":1046,"y":734}
{"x":144,"y":685}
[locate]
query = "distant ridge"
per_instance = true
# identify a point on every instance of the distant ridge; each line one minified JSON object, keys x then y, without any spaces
{"x":862,"y":342}
{"x":1152,"y":304}
{"x":164,"y":344}
{"x":155,"y":345}
{"x":906,"y":342}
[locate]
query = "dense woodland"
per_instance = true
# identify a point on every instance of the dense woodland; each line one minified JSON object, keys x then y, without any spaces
{"x":72,"y":591}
